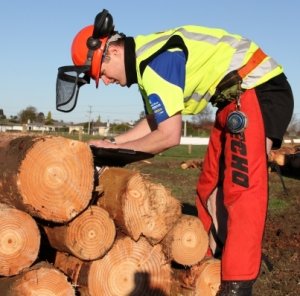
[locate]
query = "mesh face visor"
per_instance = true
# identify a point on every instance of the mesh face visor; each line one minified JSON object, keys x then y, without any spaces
{"x":68,"y":82}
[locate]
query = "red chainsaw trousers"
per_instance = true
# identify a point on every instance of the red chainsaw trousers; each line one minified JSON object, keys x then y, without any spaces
{"x":238,"y":164}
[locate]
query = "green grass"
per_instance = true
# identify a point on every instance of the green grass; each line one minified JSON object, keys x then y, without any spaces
{"x":279,"y":199}
{"x":185,"y":152}
{"x":277,"y":206}
{"x":165,"y":169}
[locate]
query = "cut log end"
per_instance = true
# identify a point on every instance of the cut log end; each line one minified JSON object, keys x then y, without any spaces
{"x":161,"y":211}
{"x":187,"y":242}
{"x":94,"y":233}
{"x":89,"y":236}
{"x":131,"y":267}
{"x":19,"y":240}
{"x":56,"y":178}
{"x":135,"y":196}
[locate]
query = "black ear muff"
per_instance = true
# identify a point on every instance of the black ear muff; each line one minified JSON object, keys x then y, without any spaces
{"x":103,"y":27}
{"x":103,"y":24}
{"x":93,"y":43}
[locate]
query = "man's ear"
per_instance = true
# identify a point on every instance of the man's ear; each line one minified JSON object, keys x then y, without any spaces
{"x":114,"y":49}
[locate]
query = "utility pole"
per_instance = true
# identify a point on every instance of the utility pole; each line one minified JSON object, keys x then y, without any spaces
{"x":89,"y":116}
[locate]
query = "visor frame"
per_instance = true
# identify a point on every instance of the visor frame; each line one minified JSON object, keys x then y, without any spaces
{"x":76,"y":80}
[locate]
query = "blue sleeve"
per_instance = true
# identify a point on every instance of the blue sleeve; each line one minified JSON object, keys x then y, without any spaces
{"x":170,"y":67}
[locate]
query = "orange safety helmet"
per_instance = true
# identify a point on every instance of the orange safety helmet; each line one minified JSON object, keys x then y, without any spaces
{"x":87,"y":52}
{"x":82,"y":55}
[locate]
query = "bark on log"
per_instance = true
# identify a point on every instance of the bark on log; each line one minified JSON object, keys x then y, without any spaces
{"x":129,"y":268}
{"x":71,"y":266}
{"x":19,"y":240}
{"x":49,"y":177}
{"x":42,"y":279}
{"x":89,"y":236}
{"x":201,"y":279}
{"x":137,"y":205}
{"x":161,"y":211}
{"x":187,"y":242}
{"x":208,"y":281}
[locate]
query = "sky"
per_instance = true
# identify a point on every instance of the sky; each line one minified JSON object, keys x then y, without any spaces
{"x":37,"y":36}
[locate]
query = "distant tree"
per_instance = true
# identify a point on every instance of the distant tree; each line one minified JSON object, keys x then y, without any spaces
{"x":2,"y":115}
{"x":28,"y":114}
{"x":98,"y":120}
{"x":49,"y":120}
{"x":201,"y":124}
{"x":14,"y":119}
{"x":119,"y":127}
{"x":204,"y":118}
{"x":142,"y":114}
{"x":85,"y":126}
{"x":294,"y":126}
{"x":40,"y":117}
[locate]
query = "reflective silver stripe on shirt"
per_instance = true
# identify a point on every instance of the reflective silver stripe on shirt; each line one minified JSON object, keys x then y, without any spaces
{"x":238,"y":57}
{"x":148,"y":45}
{"x":242,"y":46}
{"x":198,"y":97}
{"x":232,"y":41}
{"x":262,"y":69}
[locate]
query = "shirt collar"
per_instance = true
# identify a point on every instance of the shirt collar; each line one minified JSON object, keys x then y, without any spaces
{"x":130,"y":61}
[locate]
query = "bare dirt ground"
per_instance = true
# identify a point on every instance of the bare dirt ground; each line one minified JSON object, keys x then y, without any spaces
{"x":282,"y":242}
{"x":280,"y":270}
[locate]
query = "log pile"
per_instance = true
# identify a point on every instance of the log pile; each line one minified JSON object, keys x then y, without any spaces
{"x":19,"y":240}
{"x":192,"y":164}
{"x":286,"y":156}
{"x":66,"y":228}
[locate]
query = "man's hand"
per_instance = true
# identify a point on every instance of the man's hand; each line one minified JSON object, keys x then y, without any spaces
{"x":102,"y":143}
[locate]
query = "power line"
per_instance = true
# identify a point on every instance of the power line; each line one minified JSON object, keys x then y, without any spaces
{"x":89,"y":117}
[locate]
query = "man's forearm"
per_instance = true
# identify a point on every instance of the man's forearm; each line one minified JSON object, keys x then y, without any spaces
{"x":140,"y":130}
{"x":166,"y":135}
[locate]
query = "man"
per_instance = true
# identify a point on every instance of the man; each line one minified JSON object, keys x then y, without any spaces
{"x":178,"y":72}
